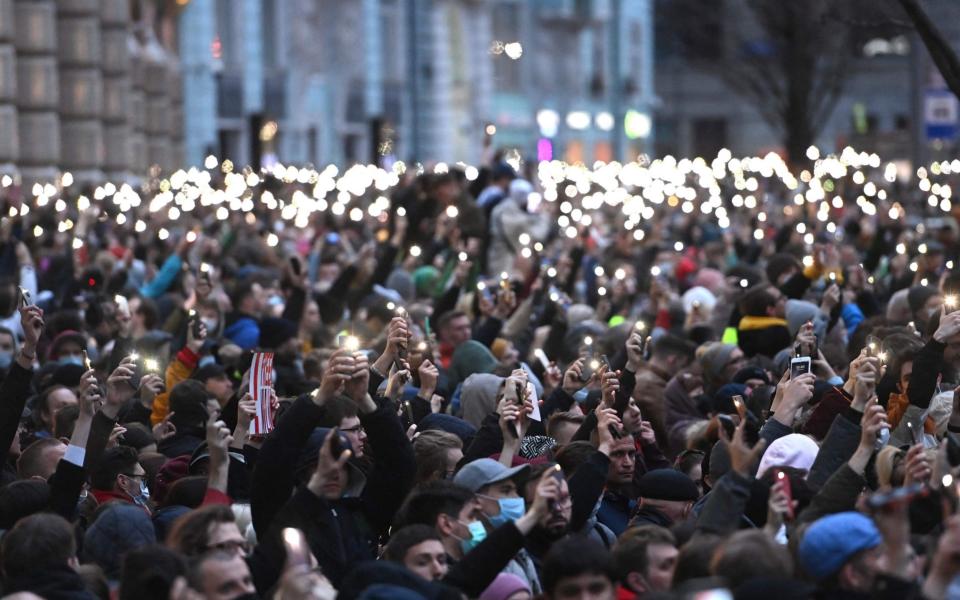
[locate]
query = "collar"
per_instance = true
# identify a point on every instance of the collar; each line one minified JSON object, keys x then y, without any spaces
{"x":747,"y":323}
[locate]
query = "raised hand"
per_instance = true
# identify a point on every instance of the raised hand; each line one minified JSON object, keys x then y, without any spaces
{"x":356,"y":387}
{"x":31,"y":320}
{"x":339,"y":370}
{"x":609,"y":386}
{"x":571,"y":378}
{"x":429,"y":375}
{"x":164,"y":429}
{"x":119,"y":387}
{"x":151,"y":385}
{"x":743,"y":458}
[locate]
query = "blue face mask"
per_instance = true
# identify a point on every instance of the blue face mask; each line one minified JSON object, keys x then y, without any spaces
{"x":206,"y":360}
{"x":72,"y":360}
{"x":5,"y":359}
{"x":511,"y":509}
{"x":478,"y":533}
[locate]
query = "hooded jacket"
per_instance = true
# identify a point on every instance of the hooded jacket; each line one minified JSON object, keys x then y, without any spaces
{"x":763,"y":335}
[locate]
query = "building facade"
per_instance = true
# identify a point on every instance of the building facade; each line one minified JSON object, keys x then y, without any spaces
{"x":882,"y":107}
{"x":90,"y":87}
{"x":330,"y":81}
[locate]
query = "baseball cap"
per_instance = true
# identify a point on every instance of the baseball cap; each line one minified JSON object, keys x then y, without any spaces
{"x":832,"y":540}
{"x":486,"y":471}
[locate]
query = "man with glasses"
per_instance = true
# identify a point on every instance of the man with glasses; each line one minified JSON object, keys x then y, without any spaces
{"x":119,"y":477}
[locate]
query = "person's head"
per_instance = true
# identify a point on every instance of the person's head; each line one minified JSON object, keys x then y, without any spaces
{"x":8,"y":347}
{"x":341,"y":412}
{"x":67,"y":347}
{"x":50,"y":401}
{"x":21,"y":499}
{"x":623,"y":458}
{"x":64,"y":421}
{"x":38,"y":543}
{"x":495,"y":487}
{"x":453,"y":328}
{"x":690,"y":463}
{"x":206,"y":529}
{"x":578,"y":568}
{"x":119,"y":471}
{"x":451,"y":509}
{"x":924,"y":303}
{"x":248,"y":297}
{"x":720,"y":362}
{"x":221,"y":575}
{"x":781,"y":267}
{"x":672,"y":353}
{"x":437,"y":454}
{"x":149,"y":572}
{"x":562,"y":425}
{"x":39,"y":459}
{"x":842,"y":551}
{"x":188,"y":405}
{"x":419,"y":549}
{"x":764,"y":301}
{"x":644,"y":559}
{"x":749,"y":554}
{"x":668,"y":491}
{"x":556,"y":521}
{"x":216,"y":382}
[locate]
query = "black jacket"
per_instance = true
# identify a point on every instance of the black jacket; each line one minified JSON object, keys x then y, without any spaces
{"x":340,"y":533}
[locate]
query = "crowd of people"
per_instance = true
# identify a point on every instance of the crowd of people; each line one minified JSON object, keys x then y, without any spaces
{"x":674,"y":380}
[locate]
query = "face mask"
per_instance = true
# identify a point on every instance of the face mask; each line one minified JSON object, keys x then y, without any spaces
{"x":511,"y":509}
{"x":275,"y":300}
{"x":206,"y":360}
{"x":71,"y":360}
{"x":478,"y":533}
{"x":211,"y":325}
{"x":5,"y":359}
{"x":144,"y":496}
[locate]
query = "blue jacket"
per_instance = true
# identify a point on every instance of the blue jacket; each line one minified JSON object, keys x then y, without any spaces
{"x":244,"y":332}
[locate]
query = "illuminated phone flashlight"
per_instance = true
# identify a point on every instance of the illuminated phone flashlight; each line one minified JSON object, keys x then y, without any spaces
{"x":594,"y":364}
{"x":401,"y":312}
{"x":551,"y":272}
{"x":151,"y":364}
{"x":391,"y":306}
{"x":481,"y":286}
{"x":744,"y":283}
{"x":655,"y":271}
{"x":415,"y":251}
{"x":505,"y":280}
{"x":351,"y":343}
{"x":950,"y":300}
{"x":422,"y":346}
{"x":832,"y":276}
{"x":204,"y":268}
{"x":620,"y":274}
{"x":463,"y":257}
{"x":554,"y":297}
{"x":601,"y":291}
{"x":640,"y":326}
{"x":587,"y":341}
{"x":191,"y":236}
{"x":134,"y":356}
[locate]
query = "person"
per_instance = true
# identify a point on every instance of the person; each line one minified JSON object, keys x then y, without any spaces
{"x":242,"y":325}
{"x":437,"y":454}
{"x":119,"y":477}
{"x":763,"y":328}
{"x":39,"y":556}
{"x":578,"y":568}
{"x":666,"y":498}
{"x":220,"y":575}
{"x":419,"y":549}
{"x":669,"y":356}
{"x":216,"y":382}
{"x":207,"y":529}
{"x":644,"y":560}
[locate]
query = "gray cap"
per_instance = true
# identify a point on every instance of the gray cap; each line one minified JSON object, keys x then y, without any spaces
{"x":486,"y":471}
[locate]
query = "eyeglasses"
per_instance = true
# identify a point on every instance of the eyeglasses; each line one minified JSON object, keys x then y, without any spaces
{"x":134,"y":475}
{"x":354,"y":429}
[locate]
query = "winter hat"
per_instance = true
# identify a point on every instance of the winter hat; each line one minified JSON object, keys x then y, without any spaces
{"x":403,"y":283}
{"x":793,"y":450}
{"x":504,"y":586}
{"x":425,"y":281}
{"x":470,"y":357}
{"x":747,"y":373}
{"x":714,"y":360}
{"x":700,"y":295}
{"x":478,"y":397}
{"x":711,"y":279}
{"x":833,"y":540}
{"x":520,"y":190}
{"x":169,"y":473}
{"x":667,"y":484}
{"x":799,"y":312}
{"x":119,"y":529}
{"x":442,"y":422}
{"x":274,"y":332}
{"x":723,"y":398}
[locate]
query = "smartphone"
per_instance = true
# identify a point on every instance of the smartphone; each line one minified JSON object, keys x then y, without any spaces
{"x":485,"y":291}
{"x":647,"y":347}
{"x":726,"y":421}
{"x":557,"y":473}
{"x":195,"y":324}
{"x":741,"y":406}
{"x":137,"y":370}
{"x":295,"y":543}
{"x":590,"y":366}
{"x":25,"y":298}
{"x":799,"y":365}
{"x":542,"y":357}
{"x":784,"y":479}
{"x":337,"y":447}
{"x":348,"y":342}
{"x":915,"y":436}
{"x":900,"y":495}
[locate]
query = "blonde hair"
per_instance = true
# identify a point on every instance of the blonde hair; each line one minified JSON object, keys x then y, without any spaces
{"x":430,"y":449}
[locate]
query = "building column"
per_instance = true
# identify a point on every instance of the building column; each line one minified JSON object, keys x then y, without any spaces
{"x":175,"y":155}
{"x":38,"y":89}
{"x":81,"y":89}
{"x":115,"y":60}
{"x":9,"y":137}
{"x":137,"y":106}
{"x":199,"y":106}
{"x":157,"y":101}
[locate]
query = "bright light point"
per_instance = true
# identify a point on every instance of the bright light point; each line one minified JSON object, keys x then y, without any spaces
{"x":655,"y":271}
{"x":524,"y":239}
{"x":163,"y":234}
{"x":272,"y":240}
{"x":678,"y":246}
{"x":578,"y":119}
{"x":813,"y":153}
{"x":415,"y":251}
{"x":452,"y":211}
{"x":66,"y":180}
{"x":210,"y":162}
{"x":604,"y":121}
{"x":77,"y":243}
{"x":37,"y":231}
{"x":513,"y":50}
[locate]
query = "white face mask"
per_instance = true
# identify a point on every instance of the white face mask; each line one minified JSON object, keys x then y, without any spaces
{"x":210,"y":324}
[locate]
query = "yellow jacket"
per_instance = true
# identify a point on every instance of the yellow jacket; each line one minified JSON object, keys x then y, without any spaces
{"x":179,"y":369}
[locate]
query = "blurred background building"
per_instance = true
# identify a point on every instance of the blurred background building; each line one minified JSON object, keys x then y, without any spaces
{"x":90,"y":87}
{"x":334,"y":81}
